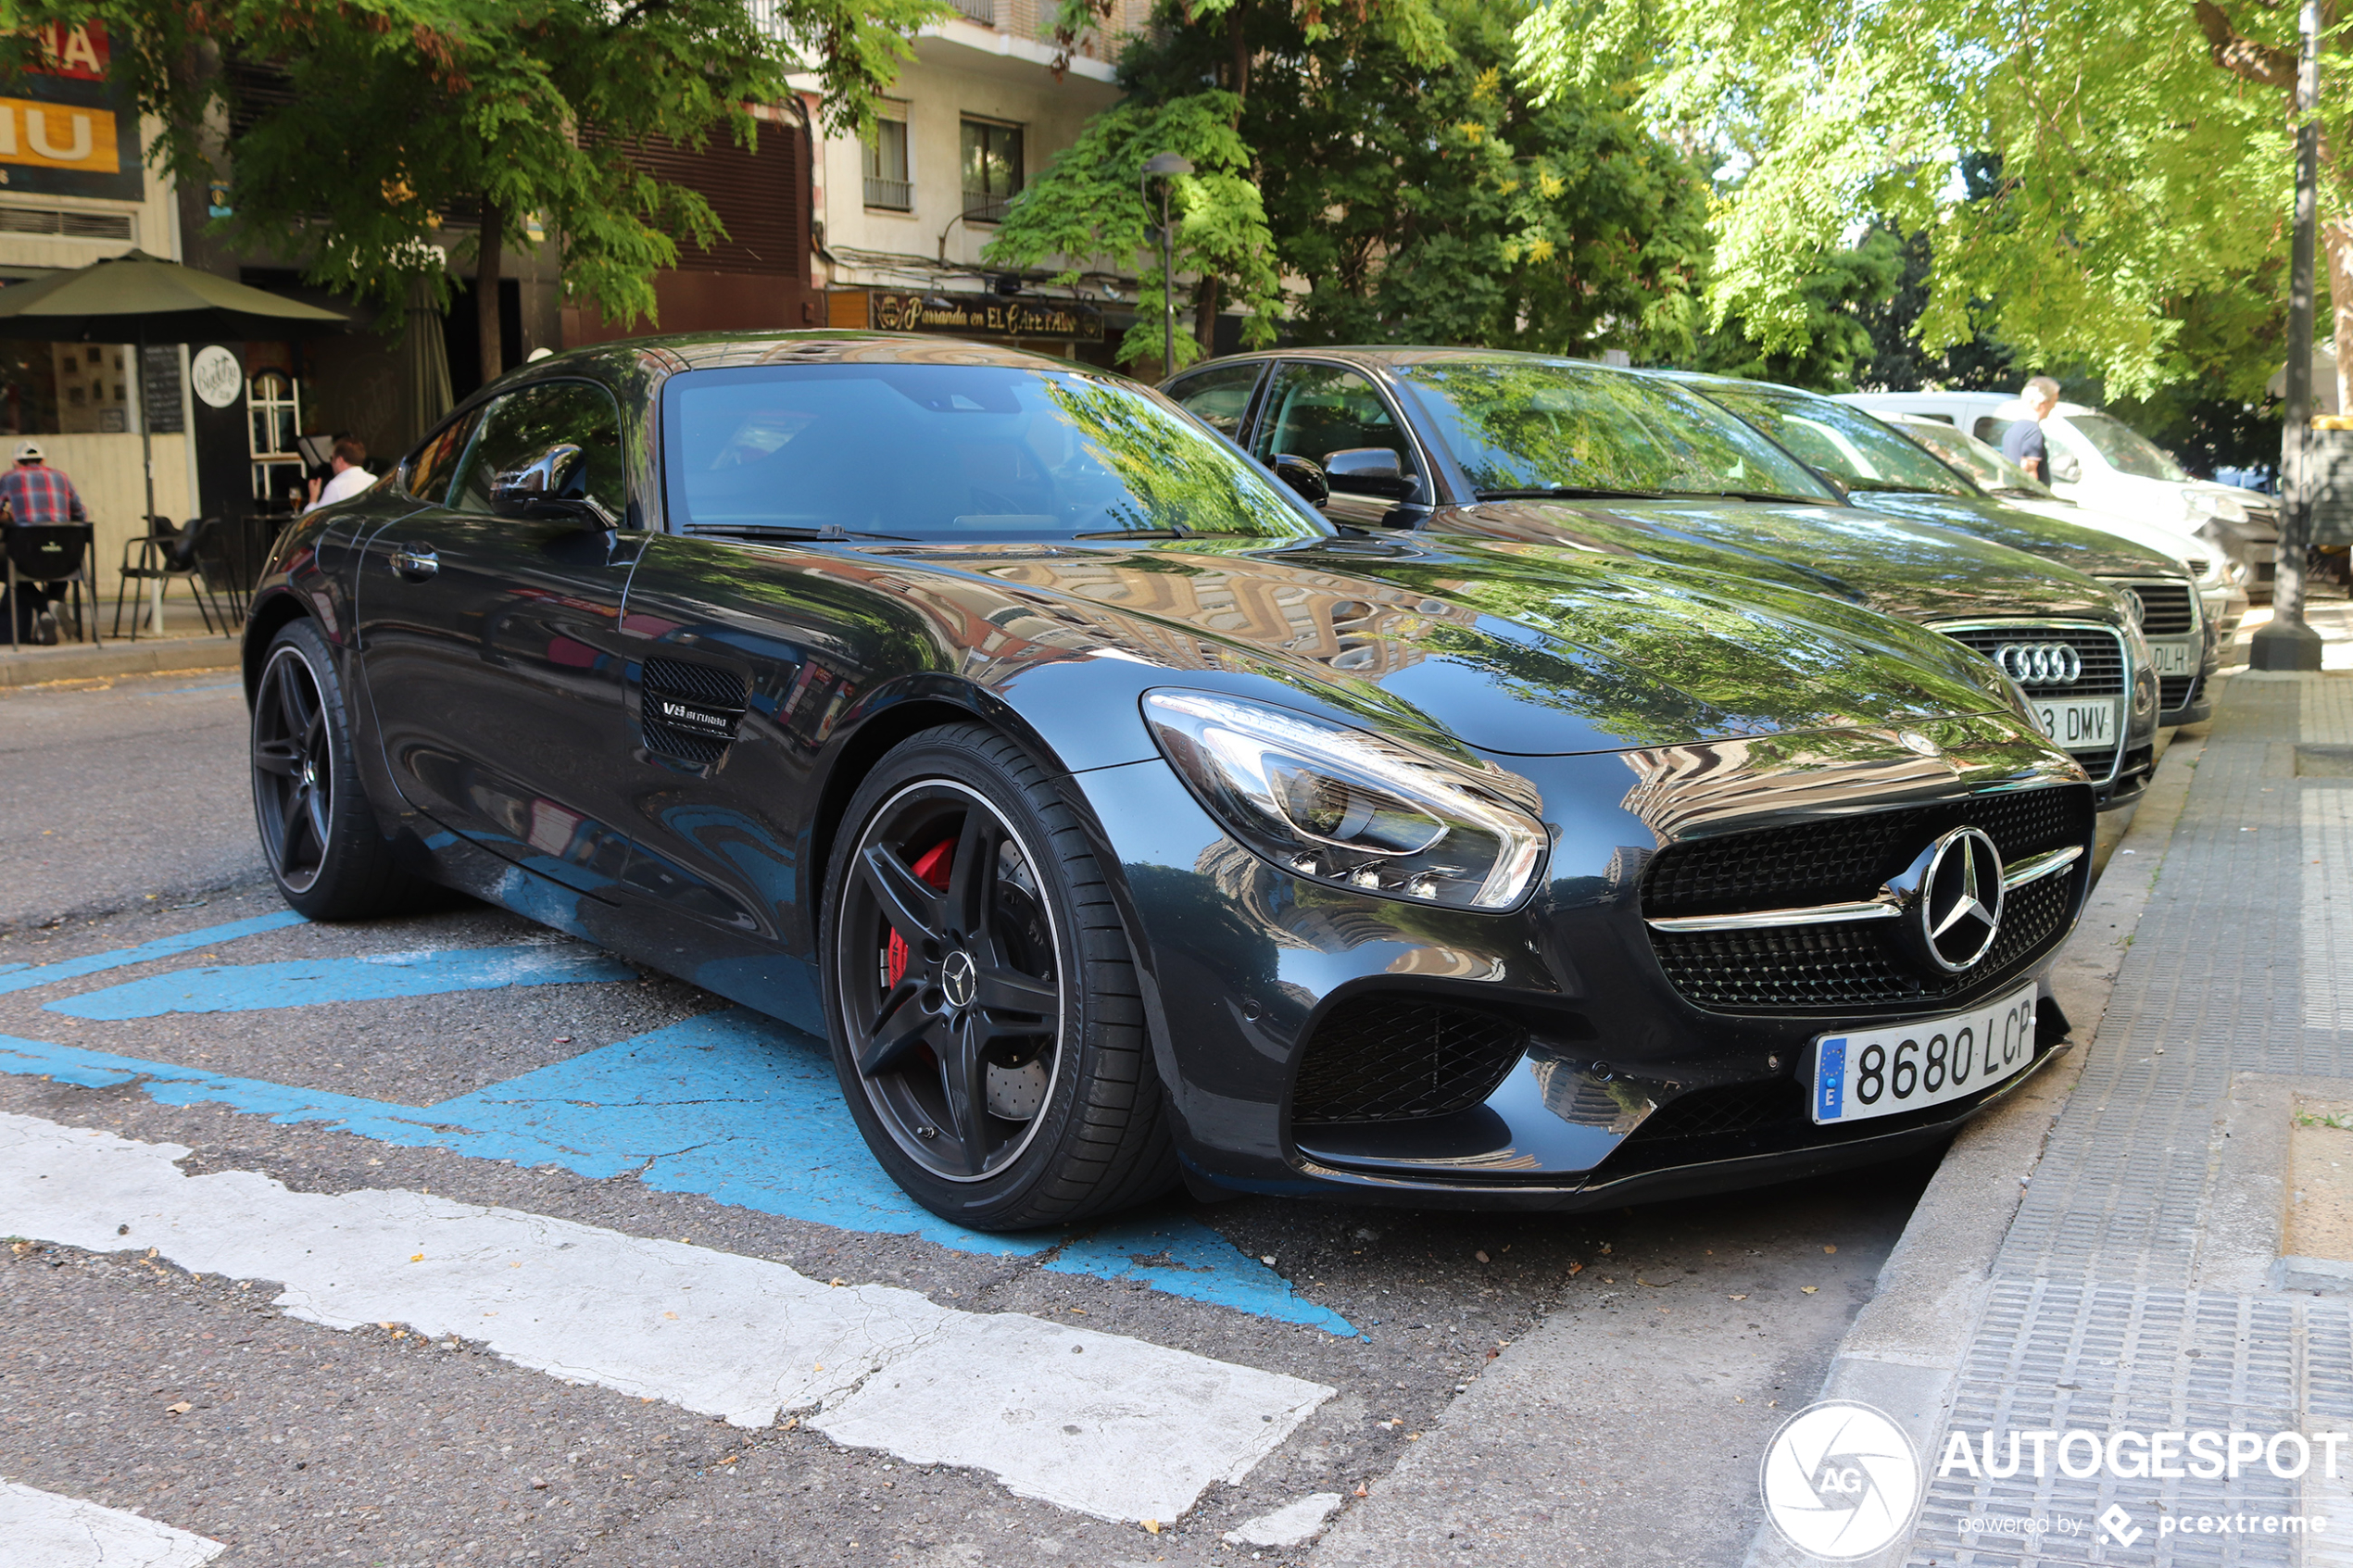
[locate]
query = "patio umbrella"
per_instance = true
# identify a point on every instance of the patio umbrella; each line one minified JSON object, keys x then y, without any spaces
{"x":140,"y":299}
{"x":424,"y":362}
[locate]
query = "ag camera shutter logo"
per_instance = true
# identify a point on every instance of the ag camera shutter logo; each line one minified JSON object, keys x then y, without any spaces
{"x":1841,"y":1480}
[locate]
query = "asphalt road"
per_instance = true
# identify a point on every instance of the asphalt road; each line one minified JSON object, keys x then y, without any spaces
{"x":484,"y":1248}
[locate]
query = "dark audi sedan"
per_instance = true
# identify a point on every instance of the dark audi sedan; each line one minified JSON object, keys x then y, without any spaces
{"x":1539,"y":447}
{"x":1118,"y":820}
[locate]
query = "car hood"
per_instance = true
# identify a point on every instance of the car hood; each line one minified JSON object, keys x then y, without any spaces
{"x":2173,"y":546}
{"x":1892,"y":563}
{"x":1512,"y":648}
{"x":2087,"y":550}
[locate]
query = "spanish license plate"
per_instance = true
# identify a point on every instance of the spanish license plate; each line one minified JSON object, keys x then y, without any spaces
{"x":2081,"y":724}
{"x":1857,"y":1076}
{"x":2170,"y":659}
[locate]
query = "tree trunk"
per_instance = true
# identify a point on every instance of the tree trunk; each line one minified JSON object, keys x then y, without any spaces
{"x":486,"y":260}
{"x":2336,"y":240}
{"x":1240,"y":48}
{"x":1205,"y":315}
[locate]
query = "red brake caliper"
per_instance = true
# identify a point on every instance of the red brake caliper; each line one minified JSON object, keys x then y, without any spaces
{"x":932,"y":866}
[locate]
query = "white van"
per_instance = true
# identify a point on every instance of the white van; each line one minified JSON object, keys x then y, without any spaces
{"x":2104,"y":465}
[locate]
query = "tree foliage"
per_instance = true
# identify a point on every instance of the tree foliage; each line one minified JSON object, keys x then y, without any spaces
{"x":2142,"y":148}
{"x":381,"y":119}
{"x":1091,"y":205}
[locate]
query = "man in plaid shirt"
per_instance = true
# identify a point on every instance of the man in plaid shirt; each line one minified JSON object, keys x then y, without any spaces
{"x":37,"y":495}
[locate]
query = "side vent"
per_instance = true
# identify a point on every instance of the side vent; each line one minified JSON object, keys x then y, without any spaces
{"x":692,"y":712}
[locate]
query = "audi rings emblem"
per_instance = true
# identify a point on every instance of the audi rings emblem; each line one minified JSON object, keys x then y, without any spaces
{"x":2040,"y":664}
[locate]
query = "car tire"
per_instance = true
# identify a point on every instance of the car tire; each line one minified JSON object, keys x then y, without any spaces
{"x":981,"y":993}
{"x":319,"y":835}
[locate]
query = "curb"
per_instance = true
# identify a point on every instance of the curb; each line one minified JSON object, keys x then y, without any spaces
{"x":1904,"y":1353}
{"x":35,"y":667}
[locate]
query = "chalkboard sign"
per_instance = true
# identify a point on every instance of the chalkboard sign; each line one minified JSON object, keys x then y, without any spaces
{"x":159,"y":385}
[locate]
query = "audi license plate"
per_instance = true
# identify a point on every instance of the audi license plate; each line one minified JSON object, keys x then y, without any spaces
{"x":2081,"y":724}
{"x":2170,"y":659}
{"x":1861,"y":1075}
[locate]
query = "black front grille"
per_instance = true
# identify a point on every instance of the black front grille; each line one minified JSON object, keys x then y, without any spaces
{"x":1726,"y":1108}
{"x":1383,"y":1059}
{"x":2175,"y":691}
{"x":1842,"y":858}
{"x":2166,"y":608}
{"x":1857,"y":965}
{"x":2102,"y":652}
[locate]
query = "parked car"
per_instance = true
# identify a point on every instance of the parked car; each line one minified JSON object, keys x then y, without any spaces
{"x":1114,"y":817}
{"x":1543,"y":449}
{"x":2098,"y":460}
{"x":2225,"y":601}
{"x":1870,"y":461}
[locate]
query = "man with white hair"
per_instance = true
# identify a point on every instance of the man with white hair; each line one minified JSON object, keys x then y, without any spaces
{"x":34,"y":494}
{"x":2023,"y":442}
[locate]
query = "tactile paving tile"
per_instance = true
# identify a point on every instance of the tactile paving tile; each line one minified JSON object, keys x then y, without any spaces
{"x":2093,"y":1322}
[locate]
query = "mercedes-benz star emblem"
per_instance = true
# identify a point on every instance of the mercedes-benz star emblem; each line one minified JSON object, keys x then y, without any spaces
{"x":1960,"y":902}
{"x":2040,"y":664}
{"x":956,"y":979}
{"x":1912,"y":740}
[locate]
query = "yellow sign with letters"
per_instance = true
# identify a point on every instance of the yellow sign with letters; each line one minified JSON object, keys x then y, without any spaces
{"x":44,"y":135}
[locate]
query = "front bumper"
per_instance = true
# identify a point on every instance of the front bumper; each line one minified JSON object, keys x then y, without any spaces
{"x":1245,"y":965}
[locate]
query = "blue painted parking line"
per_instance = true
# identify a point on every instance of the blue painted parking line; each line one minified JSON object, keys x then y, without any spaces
{"x":367,"y":978}
{"x":732,"y":1106}
{"x":161,"y":947}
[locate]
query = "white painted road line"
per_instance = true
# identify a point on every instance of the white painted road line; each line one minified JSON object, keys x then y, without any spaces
{"x":43,"y":1530}
{"x":1116,"y":1427}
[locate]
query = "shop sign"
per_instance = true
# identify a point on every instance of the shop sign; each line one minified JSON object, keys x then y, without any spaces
{"x":65,"y":128}
{"x":217,"y":376}
{"x":985,"y":316}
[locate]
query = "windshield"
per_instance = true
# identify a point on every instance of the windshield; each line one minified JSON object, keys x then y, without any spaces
{"x":1842,"y":440}
{"x":963,"y":453}
{"x":1974,"y":458}
{"x":2126,"y":449}
{"x":1519,"y":426}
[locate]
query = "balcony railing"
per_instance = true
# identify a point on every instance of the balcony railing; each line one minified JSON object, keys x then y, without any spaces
{"x":982,"y":11}
{"x":982,"y":208}
{"x":899,"y":196}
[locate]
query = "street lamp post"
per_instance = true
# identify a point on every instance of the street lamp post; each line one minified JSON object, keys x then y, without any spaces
{"x":2288,"y":643}
{"x":1168,"y":166}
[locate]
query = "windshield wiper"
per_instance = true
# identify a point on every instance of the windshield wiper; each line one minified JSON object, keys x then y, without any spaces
{"x":1572,"y":492}
{"x":1767,"y":496}
{"x":790,"y":531}
{"x":1174,"y":531}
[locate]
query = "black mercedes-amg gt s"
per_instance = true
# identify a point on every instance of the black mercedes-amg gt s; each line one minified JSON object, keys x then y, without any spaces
{"x":1117,"y":817}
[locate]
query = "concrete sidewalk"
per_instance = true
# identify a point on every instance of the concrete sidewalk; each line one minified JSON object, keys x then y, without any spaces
{"x":2116,"y":1261}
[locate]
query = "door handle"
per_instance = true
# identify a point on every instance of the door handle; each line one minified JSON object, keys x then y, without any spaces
{"x":415,"y":562}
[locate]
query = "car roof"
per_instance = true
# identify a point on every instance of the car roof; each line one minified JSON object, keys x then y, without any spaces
{"x":1391,"y":356}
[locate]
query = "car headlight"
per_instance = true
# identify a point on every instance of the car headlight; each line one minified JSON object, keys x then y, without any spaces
{"x":2200,"y":504}
{"x":1352,"y":809}
{"x":2023,"y":705}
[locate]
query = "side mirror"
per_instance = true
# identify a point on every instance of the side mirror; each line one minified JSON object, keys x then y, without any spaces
{"x":2065,"y":468}
{"x":1303,"y":476}
{"x":1368,"y":470}
{"x":552,"y":488}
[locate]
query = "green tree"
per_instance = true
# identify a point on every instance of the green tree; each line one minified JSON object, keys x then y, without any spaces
{"x":379,"y":120}
{"x":1836,"y":345}
{"x":2142,"y":148}
{"x":1089,"y":206}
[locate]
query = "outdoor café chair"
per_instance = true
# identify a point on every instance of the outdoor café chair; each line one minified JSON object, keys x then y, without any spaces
{"x":54,"y":553}
{"x":166,"y":556}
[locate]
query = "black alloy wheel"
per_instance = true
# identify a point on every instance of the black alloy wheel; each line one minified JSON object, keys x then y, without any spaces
{"x":984,"y":1024}
{"x":317,"y":832}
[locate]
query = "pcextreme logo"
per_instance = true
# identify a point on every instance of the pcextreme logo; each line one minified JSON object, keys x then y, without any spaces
{"x":1841,"y":1480}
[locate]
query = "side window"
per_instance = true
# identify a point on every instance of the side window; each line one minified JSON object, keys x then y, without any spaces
{"x":1219,"y":397}
{"x":520,"y":426}
{"x":1990,"y":430}
{"x":427,"y":475}
{"x":1315,"y":410}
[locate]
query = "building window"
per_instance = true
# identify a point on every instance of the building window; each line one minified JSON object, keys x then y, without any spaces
{"x":992,"y":170}
{"x":886,"y":182}
{"x":274,"y":403}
